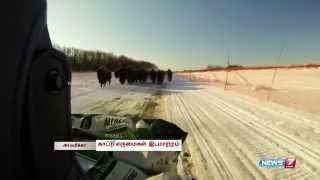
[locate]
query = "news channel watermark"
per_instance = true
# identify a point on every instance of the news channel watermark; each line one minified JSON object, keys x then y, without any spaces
{"x":279,"y":163}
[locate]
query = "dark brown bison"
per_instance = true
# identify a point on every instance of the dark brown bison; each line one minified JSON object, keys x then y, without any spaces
{"x":132,"y":75}
{"x":122,"y":75}
{"x":104,"y":76}
{"x":142,"y":76}
{"x":153,"y":76}
{"x":160,"y":76}
{"x":169,"y":74}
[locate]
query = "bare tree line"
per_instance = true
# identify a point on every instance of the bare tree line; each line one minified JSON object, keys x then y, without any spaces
{"x":84,"y":60}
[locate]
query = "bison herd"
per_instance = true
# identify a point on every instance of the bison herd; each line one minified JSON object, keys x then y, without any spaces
{"x":130,"y":76}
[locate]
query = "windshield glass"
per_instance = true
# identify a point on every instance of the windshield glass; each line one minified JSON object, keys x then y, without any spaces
{"x":240,"y":78}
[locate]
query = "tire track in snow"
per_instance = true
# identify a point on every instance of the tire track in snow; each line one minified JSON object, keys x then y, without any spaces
{"x":241,"y":114}
{"x":200,"y":141}
{"x":214,"y":154}
{"x":231,"y":142}
{"x":228,"y":144}
{"x":284,"y":142}
{"x":229,"y":130}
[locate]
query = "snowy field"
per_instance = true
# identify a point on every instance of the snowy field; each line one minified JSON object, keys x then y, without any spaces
{"x":228,"y":132}
{"x":296,"y":88}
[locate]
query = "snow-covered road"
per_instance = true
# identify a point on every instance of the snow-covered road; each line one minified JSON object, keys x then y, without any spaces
{"x":116,"y":99}
{"x":230,"y":133}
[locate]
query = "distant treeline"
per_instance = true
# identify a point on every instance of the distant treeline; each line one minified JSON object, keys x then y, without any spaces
{"x":84,"y":60}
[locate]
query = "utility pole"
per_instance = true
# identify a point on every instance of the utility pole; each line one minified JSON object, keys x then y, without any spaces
{"x":227,"y":73}
{"x":275,"y":73}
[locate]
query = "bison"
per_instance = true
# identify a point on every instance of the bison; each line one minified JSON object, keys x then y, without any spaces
{"x":122,"y":75}
{"x":142,"y":76}
{"x":169,"y":74}
{"x":134,"y":75}
{"x":160,"y":76}
{"x":104,"y":76}
{"x":153,"y":76}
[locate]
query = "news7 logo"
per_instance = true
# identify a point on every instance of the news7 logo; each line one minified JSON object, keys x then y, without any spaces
{"x":290,"y":163}
{"x":278,"y":163}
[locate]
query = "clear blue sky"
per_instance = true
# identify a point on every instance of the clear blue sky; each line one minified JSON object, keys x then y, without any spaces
{"x":185,"y":34}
